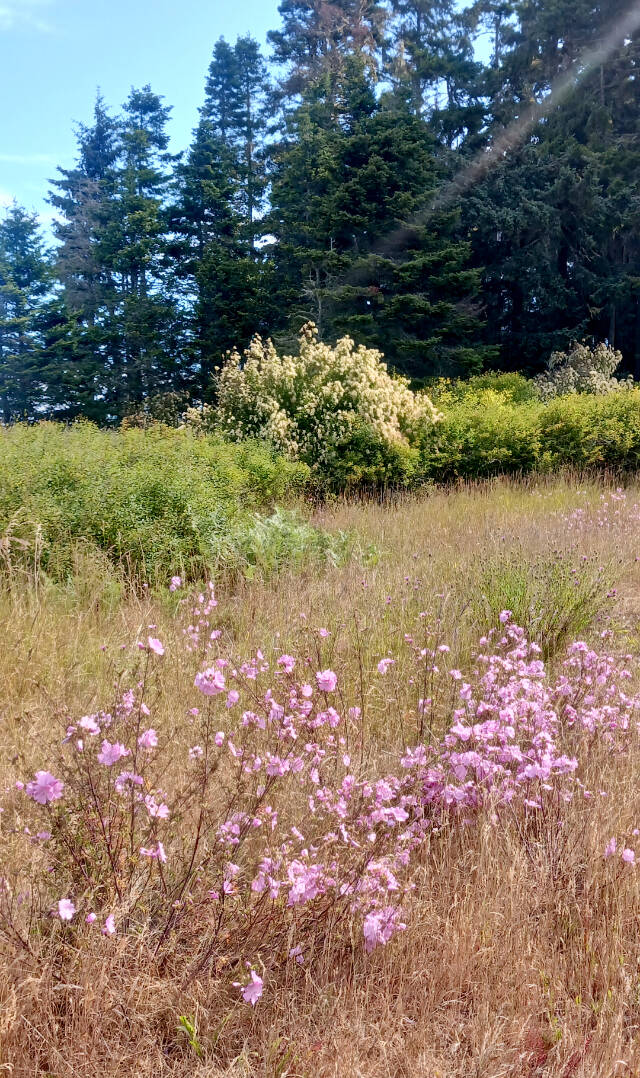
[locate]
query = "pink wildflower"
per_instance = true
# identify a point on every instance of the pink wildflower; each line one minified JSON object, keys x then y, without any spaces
{"x":125,"y":777}
{"x":155,"y":645}
{"x":628,"y":856}
{"x":379,"y":926}
{"x":176,"y":582}
{"x":610,"y":848}
{"x":110,"y":754}
{"x":384,"y":665}
{"x":148,"y":740}
{"x":156,"y":852}
{"x":287,"y":662}
{"x":155,"y":810}
{"x":88,"y":723}
{"x":66,"y":909}
{"x":109,"y":926}
{"x":327,"y":680}
{"x":210,"y":682}
{"x":45,"y":787}
{"x":252,"y":991}
{"x":90,"y":918}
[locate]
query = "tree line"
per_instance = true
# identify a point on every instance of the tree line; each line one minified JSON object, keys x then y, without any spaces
{"x":321,"y":184}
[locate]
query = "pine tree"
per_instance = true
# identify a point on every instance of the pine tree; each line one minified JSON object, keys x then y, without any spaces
{"x":25,"y":280}
{"x":433,"y":54}
{"x":136,"y":246}
{"x":116,"y":340}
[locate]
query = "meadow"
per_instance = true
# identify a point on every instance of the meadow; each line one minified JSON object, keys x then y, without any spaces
{"x":337,"y":816}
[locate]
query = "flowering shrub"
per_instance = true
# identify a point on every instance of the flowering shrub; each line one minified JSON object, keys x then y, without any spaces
{"x":264,"y":822}
{"x":582,"y":370}
{"x":321,"y":405}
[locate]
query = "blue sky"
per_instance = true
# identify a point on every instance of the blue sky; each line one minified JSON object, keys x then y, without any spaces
{"x":55,"y":53}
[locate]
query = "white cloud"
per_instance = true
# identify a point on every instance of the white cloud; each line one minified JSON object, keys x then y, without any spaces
{"x":15,"y":13}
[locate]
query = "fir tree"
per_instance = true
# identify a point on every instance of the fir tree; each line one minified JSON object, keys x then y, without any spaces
{"x":552,"y":226}
{"x":25,"y":280}
{"x":218,"y":209}
{"x":83,"y":343}
{"x":370,"y":258}
{"x":317,"y":38}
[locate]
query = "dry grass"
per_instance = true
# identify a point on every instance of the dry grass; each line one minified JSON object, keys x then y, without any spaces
{"x":522,"y":957}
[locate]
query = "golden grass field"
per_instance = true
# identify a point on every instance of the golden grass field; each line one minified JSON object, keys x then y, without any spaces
{"x":521,"y":957}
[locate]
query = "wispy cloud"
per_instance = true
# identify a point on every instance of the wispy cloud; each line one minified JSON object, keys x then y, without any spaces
{"x":16,"y":13}
{"x":27,"y":159}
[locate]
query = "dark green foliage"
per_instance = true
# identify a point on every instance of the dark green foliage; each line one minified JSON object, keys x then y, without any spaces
{"x":554,"y":226}
{"x":330,"y":188}
{"x":317,"y":39}
{"x":113,"y":334}
{"x":216,"y":215}
{"x":349,"y":190}
{"x":25,"y":280}
{"x":367,"y":462}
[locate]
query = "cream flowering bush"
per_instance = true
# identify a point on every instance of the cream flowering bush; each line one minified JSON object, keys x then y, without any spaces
{"x":335,"y":408}
{"x":582,"y":370}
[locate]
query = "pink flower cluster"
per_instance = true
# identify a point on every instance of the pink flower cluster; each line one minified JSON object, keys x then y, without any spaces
{"x":284,"y":818}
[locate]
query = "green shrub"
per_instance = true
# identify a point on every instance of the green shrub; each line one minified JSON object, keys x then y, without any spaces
{"x":591,"y":431}
{"x":156,"y":501}
{"x":511,"y":385}
{"x":285,"y":538}
{"x":483,"y":434}
{"x":362,"y":460}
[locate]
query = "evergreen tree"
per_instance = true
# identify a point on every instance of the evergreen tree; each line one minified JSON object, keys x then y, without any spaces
{"x":317,"y":37}
{"x":554,"y":225}
{"x":136,"y":246}
{"x":433,"y":56}
{"x":116,"y":340}
{"x":25,"y":280}
{"x":83,"y":346}
{"x":217,"y":216}
{"x":349,"y":195}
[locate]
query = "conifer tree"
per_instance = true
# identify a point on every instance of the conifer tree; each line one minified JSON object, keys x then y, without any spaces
{"x":217,"y":214}
{"x":433,"y":55}
{"x":369,"y":258}
{"x":25,"y":280}
{"x":83,"y":346}
{"x":317,"y":37}
{"x":551,"y":225}
{"x":116,"y":340}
